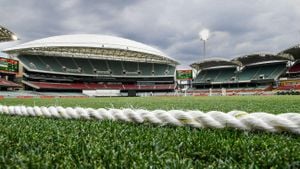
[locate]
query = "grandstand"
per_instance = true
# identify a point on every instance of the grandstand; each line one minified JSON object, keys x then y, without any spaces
{"x":92,"y":62}
{"x":261,"y":67}
{"x":214,"y":71}
{"x":295,"y":69}
{"x":250,"y":72}
{"x":291,"y":80}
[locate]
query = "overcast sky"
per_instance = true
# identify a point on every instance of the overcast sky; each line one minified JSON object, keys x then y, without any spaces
{"x":237,"y":26}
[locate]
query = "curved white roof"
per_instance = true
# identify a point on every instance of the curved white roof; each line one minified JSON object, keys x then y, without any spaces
{"x":292,"y":52}
{"x":90,"y":41}
{"x":212,"y":63}
{"x":261,"y":57}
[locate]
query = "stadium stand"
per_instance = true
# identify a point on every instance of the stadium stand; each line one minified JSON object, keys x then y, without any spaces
{"x":264,"y":71}
{"x":216,"y":75}
{"x":289,"y":87}
{"x":215,"y":70}
{"x":81,"y":62}
{"x":83,"y":67}
{"x":225,"y":75}
{"x":6,"y":83}
{"x":95,"y":86}
{"x":254,"y":72}
{"x":291,"y":79}
{"x":295,"y":68}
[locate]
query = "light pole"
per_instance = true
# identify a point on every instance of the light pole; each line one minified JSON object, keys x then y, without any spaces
{"x":204,"y":35}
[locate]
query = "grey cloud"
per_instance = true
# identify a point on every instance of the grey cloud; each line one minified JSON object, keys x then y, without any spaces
{"x":237,"y":27}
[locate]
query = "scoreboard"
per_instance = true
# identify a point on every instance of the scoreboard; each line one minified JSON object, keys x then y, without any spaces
{"x":9,"y":65}
{"x":184,"y":74}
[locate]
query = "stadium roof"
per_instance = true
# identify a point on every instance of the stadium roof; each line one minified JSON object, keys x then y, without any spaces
{"x":259,"y":58}
{"x":6,"y":35}
{"x":92,"y":46}
{"x":213,"y":63}
{"x":292,"y":52}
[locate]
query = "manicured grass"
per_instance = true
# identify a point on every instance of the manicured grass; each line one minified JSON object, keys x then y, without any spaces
{"x":270,"y":104}
{"x":27,"y":142}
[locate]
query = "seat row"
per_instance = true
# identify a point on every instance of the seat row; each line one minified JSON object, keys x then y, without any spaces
{"x":95,"y":66}
{"x":6,"y":83}
{"x":257,"y":72}
{"x":94,"y":86}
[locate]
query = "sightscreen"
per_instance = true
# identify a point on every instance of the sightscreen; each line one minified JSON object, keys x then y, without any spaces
{"x":9,"y":65}
{"x":184,"y":74}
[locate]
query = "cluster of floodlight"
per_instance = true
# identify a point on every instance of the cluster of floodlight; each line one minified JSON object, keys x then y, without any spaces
{"x":7,"y":35}
{"x":14,"y":37}
{"x":204,"y":34}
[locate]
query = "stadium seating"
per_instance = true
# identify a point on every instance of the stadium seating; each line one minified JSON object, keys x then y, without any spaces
{"x":248,"y":73}
{"x":163,"y":87}
{"x":95,"y":67}
{"x":101,"y":66}
{"x":146,"y":69}
{"x":33,"y":63}
{"x":200,"y":77}
{"x":266,"y":71}
{"x":131,"y":68}
{"x":171,"y":70}
{"x":94,"y":86}
{"x":215,"y":75}
{"x":211,"y":75}
{"x":295,"y":68}
{"x":278,"y":71}
{"x":85,"y":65}
{"x":52,"y":63}
{"x":6,"y":83}
{"x":289,"y":87}
{"x":159,"y":69}
{"x":116,"y":68}
{"x":225,"y":75}
{"x":68,"y":62}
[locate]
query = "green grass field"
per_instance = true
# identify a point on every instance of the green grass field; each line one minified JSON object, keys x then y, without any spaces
{"x":31,"y":142}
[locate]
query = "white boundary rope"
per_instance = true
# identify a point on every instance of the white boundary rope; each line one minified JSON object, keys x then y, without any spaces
{"x":289,"y":122}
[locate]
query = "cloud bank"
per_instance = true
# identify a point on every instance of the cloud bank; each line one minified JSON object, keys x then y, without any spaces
{"x":237,"y":27}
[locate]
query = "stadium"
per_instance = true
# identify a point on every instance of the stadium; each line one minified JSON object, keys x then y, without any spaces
{"x":53,"y":113}
{"x":100,"y":65}
{"x":94,"y":62}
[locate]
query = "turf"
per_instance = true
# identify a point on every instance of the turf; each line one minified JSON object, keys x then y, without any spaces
{"x":48,"y":143}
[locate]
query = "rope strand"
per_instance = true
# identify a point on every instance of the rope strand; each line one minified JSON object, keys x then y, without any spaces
{"x":289,"y":122}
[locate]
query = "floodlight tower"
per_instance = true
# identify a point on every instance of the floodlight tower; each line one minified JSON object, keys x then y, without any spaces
{"x":204,"y":35}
